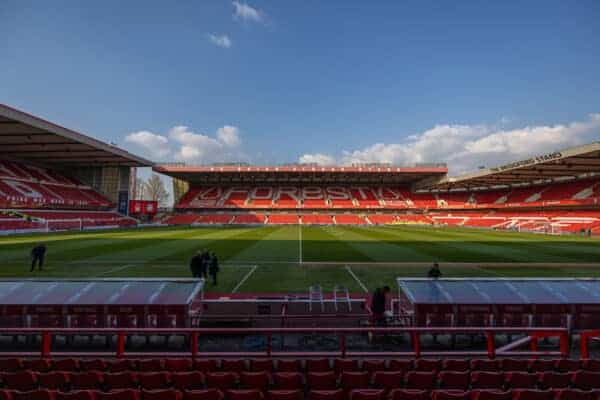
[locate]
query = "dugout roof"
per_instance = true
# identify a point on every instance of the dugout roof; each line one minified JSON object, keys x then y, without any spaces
{"x":498,"y":291}
{"x":21,"y":296}
{"x":569,"y":163}
{"x":301,"y":174}
{"x":29,"y":138}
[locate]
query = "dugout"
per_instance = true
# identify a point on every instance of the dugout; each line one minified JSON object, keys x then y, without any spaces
{"x":571,"y":303}
{"x":100,"y":303}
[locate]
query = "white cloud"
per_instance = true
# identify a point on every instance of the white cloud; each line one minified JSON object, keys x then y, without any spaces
{"x":243,"y":11}
{"x":203,"y":149}
{"x":154,"y":145}
{"x":183,"y":144}
{"x":220,"y":40}
{"x":230,"y":135}
{"x":317,"y":158}
{"x":465,"y":147}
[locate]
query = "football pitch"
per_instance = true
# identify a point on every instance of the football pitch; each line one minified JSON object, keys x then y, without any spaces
{"x":288,"y":259}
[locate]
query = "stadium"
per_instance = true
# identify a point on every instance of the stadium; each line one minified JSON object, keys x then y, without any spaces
{"x":116,"y":314}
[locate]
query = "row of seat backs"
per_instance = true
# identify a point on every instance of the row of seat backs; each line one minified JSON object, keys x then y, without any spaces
{"x":358,"y":394}
{"x":59,"y":380}
{"x":296,"y":365}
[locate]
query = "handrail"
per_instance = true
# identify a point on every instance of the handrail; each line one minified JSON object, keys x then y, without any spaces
{"x":532,"y":337}
{"x":584,"y":341}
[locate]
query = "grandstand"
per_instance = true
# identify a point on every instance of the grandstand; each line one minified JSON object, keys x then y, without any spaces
{"x":53,"y":178}
{"x":556,"y":193}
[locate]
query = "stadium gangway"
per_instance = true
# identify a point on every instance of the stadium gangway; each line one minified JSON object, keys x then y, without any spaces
{"x":531,"y":338}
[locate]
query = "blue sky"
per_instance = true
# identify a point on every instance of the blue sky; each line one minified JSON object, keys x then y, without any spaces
{"x":468,"y":83}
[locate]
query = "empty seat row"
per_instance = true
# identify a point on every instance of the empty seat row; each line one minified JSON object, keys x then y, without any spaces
{"x":359,"y":394}
{"x":387,"y":380}
{"x":310,"y":365}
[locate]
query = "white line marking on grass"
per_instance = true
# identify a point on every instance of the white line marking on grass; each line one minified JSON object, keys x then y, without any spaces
{"x":244,"y":279}
{"x":121,"y":268}
{"x":362,"y":285}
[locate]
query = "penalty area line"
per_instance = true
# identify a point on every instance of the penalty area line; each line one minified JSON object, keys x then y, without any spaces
{"x":362,"y":285}
{"x":244,"y":279}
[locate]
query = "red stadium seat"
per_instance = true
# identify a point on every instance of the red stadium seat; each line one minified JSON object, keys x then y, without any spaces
{"x":592,"y":365}
{"x":285,"y":395}
{"x":485,"y":365}
{"x":451,"y":395}
{"x":288,"y":380}
{"x":261,"y":364}
{"x":243,"y":394}
{"x":76,"y":395}
{"x":531,"y":394}
{"x":204,"y":365}
{"x":586,"y":380}
{"x":427,"y":365}
{"x":491,"y":394}
{"x":289,"y":366}
{"x":567,"y":365}
{"x":373,"y":365}
{"x":255,"y":380}
{"x":165,"y":394}
{"x":409,"y":394}
{"x":520,"y":380}
{"x":513,"y":364}
{"x":125,"y":394}
{"x":344,"y":364}
{"x":388,"y":379}
{"x":318,"y":365}
{"x":487,"y":380}
{"x":554,"y":380}
{"x":354,"y":380}
{"x":451,"y":364}
{"x":367,"y":394}
{"x":221,"y":380}
{"x":39,"y":394}
{"x":454,"y":380}
{"x":38,"y":365}
{"x":66,"y":364}
{"x":208,"y":394}
{"x":150,"y":365}
{"x":234,"y":365}
{"x":56,"y":380}
{"x":401,"y":365}
{"x":575,"y":394}
{"x":326,"y":395}
{"x":23,"y":381}
{"x":11,"y":364}
{"x":188,"y":380}
{"x":93,"y":365}
{"x":178,"y":364}
{"x":120,"y":380}
{"x":321,"y":380}
{"x":421,"y":380}
{"x":542,"y":365}
{"x":122,"y":365}
{"x":86,"y":380}
{"x":154,"y":380}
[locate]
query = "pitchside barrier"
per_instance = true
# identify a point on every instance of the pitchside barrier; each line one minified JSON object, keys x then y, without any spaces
{"x":529,"y":338}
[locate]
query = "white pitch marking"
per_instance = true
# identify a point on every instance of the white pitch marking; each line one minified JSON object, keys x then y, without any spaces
{"x":362,"y":285}
{"x":122,"y":267}
{"x":244,"y":279}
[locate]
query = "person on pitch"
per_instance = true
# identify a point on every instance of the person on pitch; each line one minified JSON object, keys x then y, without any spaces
{"x":213,"y":268}
{"x":434,"y":272}
{"x":196,"y":265}
{"x":37,"y":256}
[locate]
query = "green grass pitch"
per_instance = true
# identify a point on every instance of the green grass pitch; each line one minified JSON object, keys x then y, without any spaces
{"x":267,"y":259}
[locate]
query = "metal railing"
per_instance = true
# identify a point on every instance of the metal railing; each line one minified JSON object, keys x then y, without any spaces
{"x":529,"y":337}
